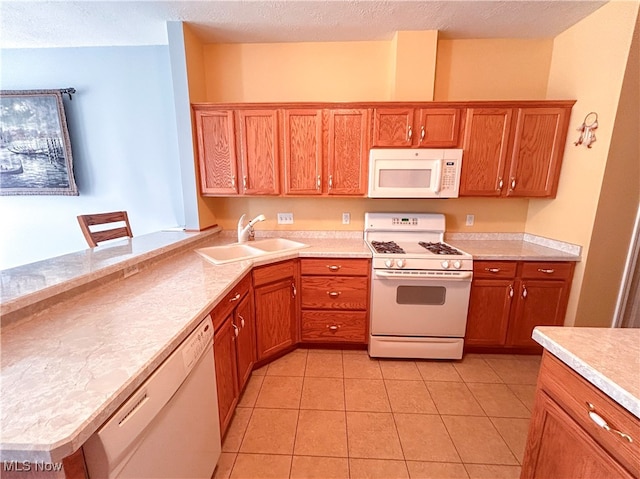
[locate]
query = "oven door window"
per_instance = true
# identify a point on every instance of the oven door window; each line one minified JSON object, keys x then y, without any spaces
{"x":421,"y":295}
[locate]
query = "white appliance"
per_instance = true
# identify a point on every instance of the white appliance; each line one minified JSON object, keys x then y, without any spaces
{"x":414,"y":173}
{"x":420,"y":287}
{"x":169,"y":427}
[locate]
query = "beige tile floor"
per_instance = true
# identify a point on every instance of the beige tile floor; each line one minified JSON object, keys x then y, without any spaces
{"x":339,"y":414}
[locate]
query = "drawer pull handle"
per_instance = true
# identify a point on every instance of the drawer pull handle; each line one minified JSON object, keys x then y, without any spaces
{"x":334,"y":294}
{"x":492,"y":270}
{"x":294,"y":291}
{"x":546,"y":271}
{"x":409,"y":134}
{"x":510,"y":291}
{"x":235,"y":298}
{"x":318,"y":183}
{"x":241,"y":320}
{"x":525,"y":293}
{"x":333,"y":327}
{"x":500,"y":184}
{"x":236,"y":331}
{"x":599,"y":420}
{"x":233,"y":181}
{"x":334,"y":267}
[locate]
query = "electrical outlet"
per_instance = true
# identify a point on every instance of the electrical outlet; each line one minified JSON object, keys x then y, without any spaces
{"x":470,"y":220}
{"x":346,"y":218}
{"x":285,"y":218}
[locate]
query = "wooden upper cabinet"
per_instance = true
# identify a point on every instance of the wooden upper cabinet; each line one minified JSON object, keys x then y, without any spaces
{"x":216,"y":152}
{"x":538,"y":146}
{"x":486,"y":140}
{"x":260,"y":152}
{"x":302,"y":140}
{"x":392,"y":127}
{"x":348,"y":152}
{"x":420,"y":127}
{"x":437,"y":127}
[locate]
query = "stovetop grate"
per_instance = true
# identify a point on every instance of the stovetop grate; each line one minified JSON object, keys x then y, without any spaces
{"x":387,"y":247}
{"x":439,"y":248}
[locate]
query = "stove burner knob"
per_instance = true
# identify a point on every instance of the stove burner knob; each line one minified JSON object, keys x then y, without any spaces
{"x":445,"y":264}
{"x":388,"y":263}
{"x":457,"y":264}
{"x":400,"y":263}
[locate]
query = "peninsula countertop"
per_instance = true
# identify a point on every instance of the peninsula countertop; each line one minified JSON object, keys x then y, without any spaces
{"x":101,"y":329}
{"x":609,"y":358}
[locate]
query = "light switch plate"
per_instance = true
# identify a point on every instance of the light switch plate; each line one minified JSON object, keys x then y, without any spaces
{"x":285,"y":218}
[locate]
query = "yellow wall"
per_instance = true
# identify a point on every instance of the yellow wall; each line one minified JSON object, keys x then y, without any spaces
{"x":373,"y":71}
{"x":592,"y":72}
{"x":281,"y":72}
{"x":326,"y":213}
{"x":494,"y":69}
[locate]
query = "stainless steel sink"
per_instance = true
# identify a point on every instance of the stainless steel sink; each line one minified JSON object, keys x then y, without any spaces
{"x":241,"y":251}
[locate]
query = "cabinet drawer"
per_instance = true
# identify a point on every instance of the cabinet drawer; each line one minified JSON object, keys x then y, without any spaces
{"x":274,"y":272}
{"x":335,"y":267}
{"x":340,"y":292}
{"x":547,"y":270}
{"x":334,"y":326}
{"x":494,"y":269}
{"x":230,"y":301}
{"x":574,"y":394}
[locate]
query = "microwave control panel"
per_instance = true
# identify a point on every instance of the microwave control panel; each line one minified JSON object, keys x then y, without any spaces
{"x":449,"y":175}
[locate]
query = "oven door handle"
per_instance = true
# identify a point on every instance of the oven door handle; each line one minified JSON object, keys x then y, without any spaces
{"x":462,"y":276}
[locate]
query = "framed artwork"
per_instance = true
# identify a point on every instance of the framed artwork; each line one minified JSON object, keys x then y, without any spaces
{"x":35,"y":152}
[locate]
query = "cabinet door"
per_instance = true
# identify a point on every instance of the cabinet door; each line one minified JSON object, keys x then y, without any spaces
{"x":303,"y":152}
{"x":486,"y":139}
{"x":538,"y":303}
{"x":246,"y":342}
{"x":216,"y":152}
{"x":557,"y":447}
{"x":538,"y":147}
{"x":276,"y":319}
{"x":348,"y":155}
{"x":393,"y":127}
{"x":438,"y":127}
{"x":489,"y":307}
{"x":224,"y":348}
{"x":260,"y":152}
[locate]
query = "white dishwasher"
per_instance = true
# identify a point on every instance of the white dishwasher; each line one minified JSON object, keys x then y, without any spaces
{"x":169,"y":427}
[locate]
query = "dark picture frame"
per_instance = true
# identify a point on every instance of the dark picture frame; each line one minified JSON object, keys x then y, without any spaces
{"x":35,"y":151}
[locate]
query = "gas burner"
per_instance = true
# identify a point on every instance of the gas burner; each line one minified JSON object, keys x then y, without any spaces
{"x":439,"y":248}
{"x":387,"y":247}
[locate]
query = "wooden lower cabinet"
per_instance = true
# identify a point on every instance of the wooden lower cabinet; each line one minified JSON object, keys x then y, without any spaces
{"x":509,"y":298}
{"x":563,"y":440}
{"x":276,"y":296}
{"x":224,"y":347}
{"x":335,"y":300}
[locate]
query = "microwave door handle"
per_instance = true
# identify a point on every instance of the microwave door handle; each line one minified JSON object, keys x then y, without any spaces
{"x":438,"y":181}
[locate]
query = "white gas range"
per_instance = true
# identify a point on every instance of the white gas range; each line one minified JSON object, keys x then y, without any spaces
{"x":420,"y":287}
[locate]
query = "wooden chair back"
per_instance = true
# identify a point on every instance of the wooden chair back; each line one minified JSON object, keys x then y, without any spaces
{"x":95,"y":237}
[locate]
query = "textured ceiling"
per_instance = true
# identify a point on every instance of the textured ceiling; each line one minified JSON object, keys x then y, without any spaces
{"x":32,"y":24}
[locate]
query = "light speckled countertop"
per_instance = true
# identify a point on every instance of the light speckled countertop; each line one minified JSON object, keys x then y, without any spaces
{"x":95,"y":335}
{"x":607,"y":358}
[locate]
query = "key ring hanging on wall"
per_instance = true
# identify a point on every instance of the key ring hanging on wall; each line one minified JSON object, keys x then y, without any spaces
{"x":587,"y":130}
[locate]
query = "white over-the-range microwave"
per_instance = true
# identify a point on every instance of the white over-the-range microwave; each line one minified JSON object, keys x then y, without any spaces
{"x":414,"y":173}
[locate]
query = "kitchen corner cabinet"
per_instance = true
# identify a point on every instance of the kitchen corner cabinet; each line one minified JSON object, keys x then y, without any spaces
{"x":234,"y":349}
{"x":276,"y":305}
{"x":335,"y":300}
{"x":514,"y":152}
{"x":508,"y":299}
{"x":416,"y":127}
{"x":565,"y":438}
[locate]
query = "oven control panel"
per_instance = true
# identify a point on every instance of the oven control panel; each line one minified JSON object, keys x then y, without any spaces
{"x":423,"y":264}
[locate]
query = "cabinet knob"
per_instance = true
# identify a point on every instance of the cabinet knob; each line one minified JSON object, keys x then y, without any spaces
{"x":409,"y":133}
{"x":334,"y":294}
{"x":334,"y":267}
{"x":333,"y":327}
{"x":600,"y":421}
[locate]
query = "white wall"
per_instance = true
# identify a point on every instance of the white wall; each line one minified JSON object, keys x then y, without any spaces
{"x":123,"y":135}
